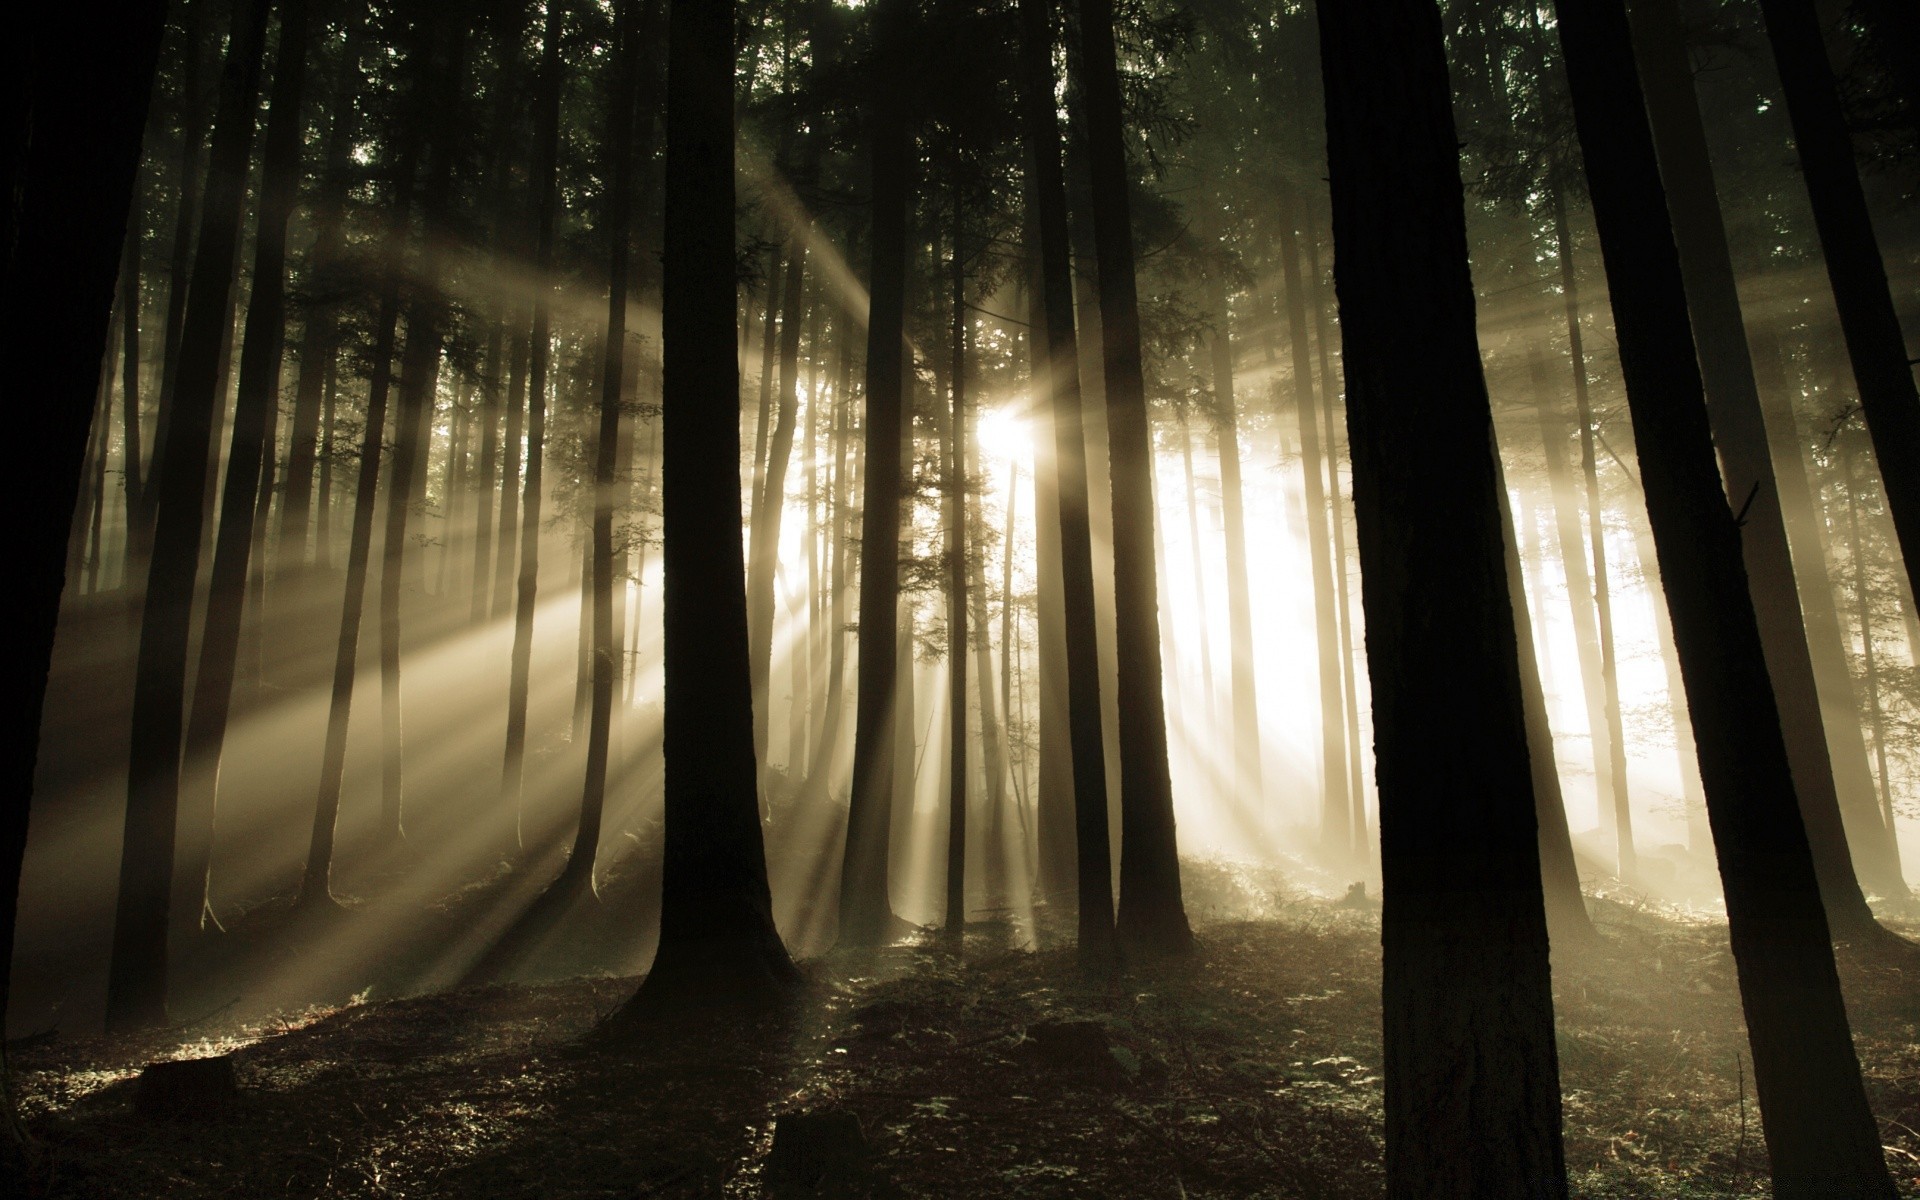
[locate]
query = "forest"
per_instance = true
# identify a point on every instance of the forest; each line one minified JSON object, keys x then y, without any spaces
{"x":896,"y":598}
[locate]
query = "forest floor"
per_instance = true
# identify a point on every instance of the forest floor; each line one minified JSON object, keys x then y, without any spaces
{"x":1252,"y":1069}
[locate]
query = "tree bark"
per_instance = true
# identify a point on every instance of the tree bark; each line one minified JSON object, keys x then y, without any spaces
{"x":1046,"y":191}
{"x":527,"y":584}
{"x":717,"y":938}
{"x":866,"y":911}
{"x":1837,"y":818}
{"x":1868,"y":320}
{"x":137,"y":970}
{"x":1248,"y":784}
{"x":1821,"y":1136}
{"x":1151,"y":916}
{"x":249,"y":453}
{"x":1472,"y":1081}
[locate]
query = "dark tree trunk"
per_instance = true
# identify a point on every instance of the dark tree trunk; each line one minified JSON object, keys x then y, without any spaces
{"x":488,"y":470}
{"x":1336,"y":811}
{"x":1836,"y":818}
{"x":527,"y":585}
{"x":1567,"y":920}
{"x":866,"y":911}
{"x":771,"y":500}
{"x":1565,"y":496}
{"x":1342,"y":600}
{"x":1612,"y":778}
{"x":1151,"y":915}
{"x":441,"y":66}
{"x":606,"y":657}
{"x":519,"y":350}
{"x":717,"y":938}
{"x":1047,"y":192}
{"x":1226,"y":424}
{"x":1868,"y":320}
{"x":1472,"y":1081}
{"x":955,"y":924}
{"x":69,"y":193}
{"x":320,"y":341}
{"x":1825,"y":642}
{"x":315,"y":886}
{"x":1054,"y":803}
{"x":186,"y":222}
{"x":1821,"y":1136}
{"x":137,"y":971}
{"x":249,"y":453}
{"x":132,"y":457}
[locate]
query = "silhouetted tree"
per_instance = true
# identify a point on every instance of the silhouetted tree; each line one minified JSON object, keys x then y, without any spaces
{"x":1466,"y":988}
{"x":717,"y":939}
{"x":1821,"y":1136}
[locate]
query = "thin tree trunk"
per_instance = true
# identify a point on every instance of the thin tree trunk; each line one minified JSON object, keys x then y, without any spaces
{"x":606,"y":660}
{"x":1837,"y":818}
{"x":518,"y":354}
{"x":1821,"y":1135}
{"x":527,"y":586}
{"x":248,"y":457}
{"x":138,"y":968}
{"x":1869,"y":323}
{"x":1046,"y":192}
{"x":1336,"y":810}
{"x":1205,"y":648}
{"x":1615,"y":779}
{"x":1226,"y":423}
{"x":419,"y":378}
{"x":320,"y":340}
{"x":955,"y":924}
{"x":1864,"y":609}
{"x":771,"y":500}
{"x":866,"y":911}
{"x":1151,"y":916}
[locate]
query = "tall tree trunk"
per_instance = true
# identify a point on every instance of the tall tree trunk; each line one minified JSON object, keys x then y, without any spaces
{"x":1613,"y":782}
{"x":137,"y":970}
{"x":518,"y":353}
{"x":489,"y":472}
{"x":606,"y":656}
{"x":1226,"y":424}
{"x":70,"y":196}
{"x":320,"y":340}
{"x":248,"y":455}
{"x":315,"y":886}
{"x":1864,"y":608}
{"x":993,"y":741}
{"x":1840,"y":714}
{"x":1152,"y":916}
{"x":1046,"y":191}
{"x":771,"y":499}
{"x":1336,"y":520}
{"x":1836,"y":818}
{"x":1204,"y":651}
{"x":1821,"y":1136}
{"x":866,"y":912}
{"x":1466,"y":982}
{"x":1336,"y":810}
{"x":186,"y":222}
{"x":1868,"y":320}
{"x":527,"y":585}
{"x":442,"y":51}
{"x":1567,"y":921}
{"x":132,"y":457}
{"x":1054,"y":816}
{"x":717,"y":939}
{"x":955,"y":924}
